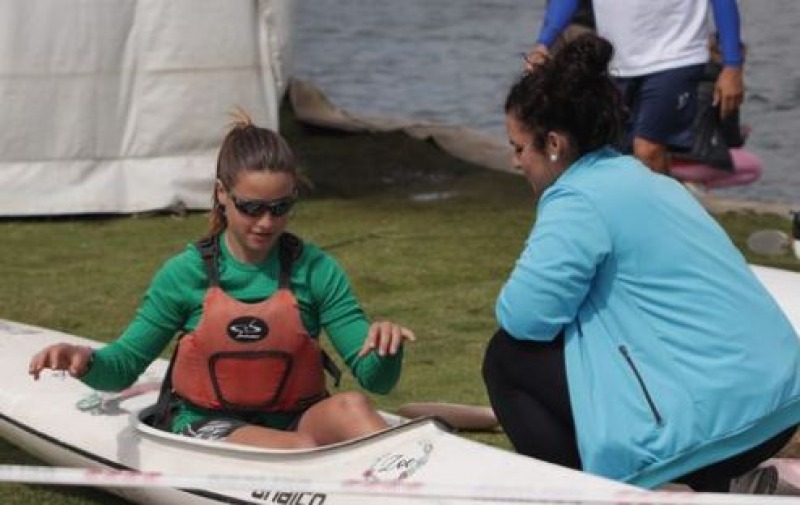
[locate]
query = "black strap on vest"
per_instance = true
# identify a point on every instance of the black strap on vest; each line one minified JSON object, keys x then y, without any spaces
{"x":162,"y":412}
{"x":290,"y":250}
{"x":209,"y":251}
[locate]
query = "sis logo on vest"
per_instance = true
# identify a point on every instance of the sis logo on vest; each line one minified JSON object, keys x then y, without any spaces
{"x":247,"y":329}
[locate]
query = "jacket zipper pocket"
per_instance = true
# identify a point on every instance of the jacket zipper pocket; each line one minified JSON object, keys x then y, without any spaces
{"x":642,"y":385}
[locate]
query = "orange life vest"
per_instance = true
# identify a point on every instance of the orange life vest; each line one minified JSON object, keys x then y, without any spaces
{"x":250,"y":356}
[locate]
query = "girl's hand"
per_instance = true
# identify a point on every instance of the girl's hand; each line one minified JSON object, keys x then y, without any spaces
{"x":385,"y":338}
{"x":72,"y":358}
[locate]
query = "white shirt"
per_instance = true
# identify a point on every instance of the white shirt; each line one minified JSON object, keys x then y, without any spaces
{"x":653,"y":35}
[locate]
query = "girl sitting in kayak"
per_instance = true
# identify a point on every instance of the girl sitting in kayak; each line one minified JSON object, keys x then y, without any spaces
{"x":250,"y":301}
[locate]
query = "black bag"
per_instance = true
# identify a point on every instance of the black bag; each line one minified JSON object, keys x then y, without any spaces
{"x":709,"y":145}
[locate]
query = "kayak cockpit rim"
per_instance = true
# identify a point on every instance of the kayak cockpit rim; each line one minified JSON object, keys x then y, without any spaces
{"x":397,"y":425}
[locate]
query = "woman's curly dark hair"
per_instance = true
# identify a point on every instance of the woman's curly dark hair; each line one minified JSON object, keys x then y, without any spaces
{"x":571,"y":92}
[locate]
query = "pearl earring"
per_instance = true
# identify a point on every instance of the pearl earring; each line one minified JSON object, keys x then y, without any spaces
{"x":553,"y":157}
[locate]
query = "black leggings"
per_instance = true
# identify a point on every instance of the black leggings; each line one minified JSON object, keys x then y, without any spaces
{"x":527,"y":386}
{"x":716,"y":478}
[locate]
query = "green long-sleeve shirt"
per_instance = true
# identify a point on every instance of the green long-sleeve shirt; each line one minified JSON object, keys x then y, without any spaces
{"x":173,"y":304}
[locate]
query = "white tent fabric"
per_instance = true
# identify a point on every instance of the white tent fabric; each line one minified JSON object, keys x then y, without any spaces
{"x":119,"y":106}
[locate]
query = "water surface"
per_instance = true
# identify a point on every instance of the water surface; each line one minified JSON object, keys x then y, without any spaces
{"x":452,"y":61}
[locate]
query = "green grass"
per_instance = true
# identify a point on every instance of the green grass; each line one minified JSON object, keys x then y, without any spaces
{"x":435,"y":266}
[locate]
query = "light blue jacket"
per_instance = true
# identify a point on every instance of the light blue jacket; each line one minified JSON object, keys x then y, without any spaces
{"x":676,"y":355}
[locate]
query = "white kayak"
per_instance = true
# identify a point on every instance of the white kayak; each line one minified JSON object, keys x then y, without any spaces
{"x":67,"y":424}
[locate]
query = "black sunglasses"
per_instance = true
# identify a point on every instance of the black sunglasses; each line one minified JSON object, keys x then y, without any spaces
{"x":257,"y":208}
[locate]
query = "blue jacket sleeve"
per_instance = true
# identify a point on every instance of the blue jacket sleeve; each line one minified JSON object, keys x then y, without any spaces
{"x":556,"y":269}
{"x":728,"y":23}
{"x":556,"y":18}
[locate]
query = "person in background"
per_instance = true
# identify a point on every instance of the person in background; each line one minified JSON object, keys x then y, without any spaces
{"x":580,"y":22}
{"x":250,"y":300}
{"x":634,"y":341}
{"x":661,"y":53}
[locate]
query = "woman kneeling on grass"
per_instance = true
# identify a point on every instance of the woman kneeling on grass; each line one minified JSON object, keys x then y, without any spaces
{"x":250,"y":300}
{"x":635,"y":341}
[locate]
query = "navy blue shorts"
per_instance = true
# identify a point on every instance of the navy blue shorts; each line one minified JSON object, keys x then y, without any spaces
{"x":662,"y":106}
